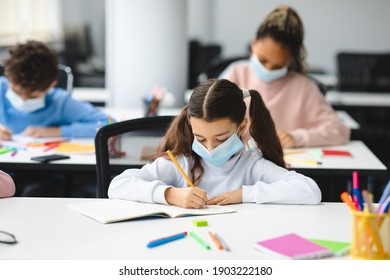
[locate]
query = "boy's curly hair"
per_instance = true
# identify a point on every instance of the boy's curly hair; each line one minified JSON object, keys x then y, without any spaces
{"x":32,"y":66}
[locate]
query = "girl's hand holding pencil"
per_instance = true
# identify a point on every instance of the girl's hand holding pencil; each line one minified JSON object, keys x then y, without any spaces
{"x":192,"y":197}
{"x":186,"y":197}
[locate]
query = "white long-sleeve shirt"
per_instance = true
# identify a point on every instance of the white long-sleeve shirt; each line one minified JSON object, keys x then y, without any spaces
{"x":262,"y":181}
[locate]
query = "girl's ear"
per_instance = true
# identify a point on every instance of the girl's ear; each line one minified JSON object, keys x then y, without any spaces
{"x":243,"y":128}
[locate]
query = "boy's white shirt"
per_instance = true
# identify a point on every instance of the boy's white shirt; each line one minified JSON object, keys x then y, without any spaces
{"x":262,"y":181}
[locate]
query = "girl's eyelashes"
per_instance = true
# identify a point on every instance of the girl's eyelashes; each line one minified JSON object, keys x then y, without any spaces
{"x":222,"y":140}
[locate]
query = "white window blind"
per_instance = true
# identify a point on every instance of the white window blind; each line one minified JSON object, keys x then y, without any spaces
{"x":22,"y":20}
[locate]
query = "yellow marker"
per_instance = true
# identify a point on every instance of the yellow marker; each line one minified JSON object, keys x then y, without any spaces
{"x":303,"y":160}
{"x":180,"y":169}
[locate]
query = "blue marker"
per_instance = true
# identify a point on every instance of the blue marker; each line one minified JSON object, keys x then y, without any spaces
{"x":384,"y":196}
{"x":164,"y":240}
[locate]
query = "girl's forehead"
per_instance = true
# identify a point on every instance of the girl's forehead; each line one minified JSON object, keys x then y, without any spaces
{"x":215,"y":127}
{"x":271,"y":49}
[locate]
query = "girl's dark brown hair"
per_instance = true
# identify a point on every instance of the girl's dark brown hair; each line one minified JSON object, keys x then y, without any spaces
{"x":213,"y":100}
{"x":32,"y":65}
{"x":285,"y":26}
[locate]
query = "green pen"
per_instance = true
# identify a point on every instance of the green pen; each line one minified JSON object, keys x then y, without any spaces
{"x":318,"y":153}
{"x":200,"y":241}
{"x":6,"y":150}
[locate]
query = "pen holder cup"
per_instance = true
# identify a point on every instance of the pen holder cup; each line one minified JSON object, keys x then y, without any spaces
{"x":151,"y":108}
{"x":370,"y":236}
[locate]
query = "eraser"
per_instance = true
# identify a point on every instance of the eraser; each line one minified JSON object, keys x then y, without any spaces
{"x":200,"y":223}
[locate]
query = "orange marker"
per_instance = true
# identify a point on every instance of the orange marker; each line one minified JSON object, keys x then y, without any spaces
{"x":348,"y":200}
{"x":216,"y":241}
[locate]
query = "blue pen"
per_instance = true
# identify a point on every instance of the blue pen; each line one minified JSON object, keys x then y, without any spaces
{"x":387,"y":207}
{"x":385,"y":193}
{"x":164,"y":240}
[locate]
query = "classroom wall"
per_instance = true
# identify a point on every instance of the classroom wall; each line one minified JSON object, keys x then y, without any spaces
{"x":330,"y":26}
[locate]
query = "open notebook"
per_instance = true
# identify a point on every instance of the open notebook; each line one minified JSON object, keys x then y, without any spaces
{"x":114,"y":210}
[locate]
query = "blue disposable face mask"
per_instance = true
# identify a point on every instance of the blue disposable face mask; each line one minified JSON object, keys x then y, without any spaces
{"x":263,"y":73}
{"x":221,"y":154}
{"x":25,"y":106}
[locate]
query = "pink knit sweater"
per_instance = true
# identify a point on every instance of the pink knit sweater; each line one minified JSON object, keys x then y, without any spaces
{"x":7,"y":186}
{"x":296,"y":104}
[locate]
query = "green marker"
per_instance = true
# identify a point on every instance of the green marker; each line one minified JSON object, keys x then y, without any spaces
{"x":6,"y":150}
{"x":200,"y":241}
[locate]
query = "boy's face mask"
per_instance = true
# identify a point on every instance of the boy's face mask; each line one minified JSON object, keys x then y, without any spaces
{"x":263,"y":73}
{"x":221,"y":154}
{"x":25,"y":106}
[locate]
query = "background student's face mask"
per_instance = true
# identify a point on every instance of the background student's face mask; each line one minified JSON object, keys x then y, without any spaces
{"x":263,"y":73}
{"x":26,"y":106}
{"x":221,"y":154}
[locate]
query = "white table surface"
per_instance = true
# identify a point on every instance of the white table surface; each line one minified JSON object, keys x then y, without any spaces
{"x":47,"y":229}
{"x":121,"y":114}
{"x":366,"y":99}
{"x":362,"y":158}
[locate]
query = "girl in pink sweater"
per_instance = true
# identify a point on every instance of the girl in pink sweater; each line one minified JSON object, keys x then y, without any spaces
{"x":7,"y":186}
{"x":277,"y":70}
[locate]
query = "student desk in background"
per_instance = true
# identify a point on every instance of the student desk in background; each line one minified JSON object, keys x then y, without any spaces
{"x":47,"y":229}
{"x":22,"y":160}
{"x":343,"y":99}
{"x":121,"y":114}
{"x":334,"y":174}
{"x":362,"y":160}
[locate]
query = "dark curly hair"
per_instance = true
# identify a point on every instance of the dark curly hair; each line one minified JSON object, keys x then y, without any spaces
{"x":32,"y":66}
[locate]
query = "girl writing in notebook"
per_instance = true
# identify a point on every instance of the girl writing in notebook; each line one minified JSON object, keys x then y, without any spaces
{"x":277,"y":70}
{"x":207,"y":138}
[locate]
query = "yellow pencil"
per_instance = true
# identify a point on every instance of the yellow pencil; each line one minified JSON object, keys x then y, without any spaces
{"x":303,"y":160}
{"x":180,"y":169}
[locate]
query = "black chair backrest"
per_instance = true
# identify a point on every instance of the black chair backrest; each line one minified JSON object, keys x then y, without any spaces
{"x":149,"y":126}
{"x":217,"y":66}
{"x":368,"y":72}
{"x":64,"y":78}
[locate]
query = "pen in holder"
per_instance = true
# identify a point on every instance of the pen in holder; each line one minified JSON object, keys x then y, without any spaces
{"x":152,"y":100}
{"x":151,"y":107}
{"x":370,"y":236}
{"x":114,"y":147}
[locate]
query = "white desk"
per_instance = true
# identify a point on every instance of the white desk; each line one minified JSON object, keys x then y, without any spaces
{"x":347,"y":120}
{"x":358,"y":99}
{"x":121,"y":114}
{"x":362,"y":160}
{"x":327,"y":79}
{"x":47,"y":229}
{"x":93,"y":95}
